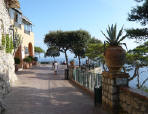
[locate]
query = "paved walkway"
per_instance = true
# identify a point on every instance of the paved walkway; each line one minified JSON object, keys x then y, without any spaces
{"x":39,"y":91}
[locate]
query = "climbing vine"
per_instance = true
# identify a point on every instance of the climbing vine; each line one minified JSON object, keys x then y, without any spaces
{"x":3,"y":40}
{"x":7,"y":43}
{"x":11,"y":44}
{"x":17,"y":40}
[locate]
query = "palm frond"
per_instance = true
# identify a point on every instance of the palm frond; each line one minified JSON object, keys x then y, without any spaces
{"x":106,"y":37}
{"x":122,"y":38}
{"x":124,"y":45}
{"x":120,"y":33}
{"x":113,"y":37}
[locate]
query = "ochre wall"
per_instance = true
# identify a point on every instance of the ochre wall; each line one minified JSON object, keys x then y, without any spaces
{"x":26,"y":38}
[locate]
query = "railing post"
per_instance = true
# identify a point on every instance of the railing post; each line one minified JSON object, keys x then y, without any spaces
{"x":110,"y":90}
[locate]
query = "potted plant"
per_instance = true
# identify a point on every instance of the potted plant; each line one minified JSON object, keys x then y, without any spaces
{"x":72,"y":63}
{"x":31,"y":61}
{"x":114,"y":53}
{"x":17,"y":62}
{"x":26,"y":60}
{"x":35,"y":59}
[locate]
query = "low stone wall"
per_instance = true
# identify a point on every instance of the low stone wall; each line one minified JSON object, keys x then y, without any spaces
{"x":91,"y":93}
{"x":133,"y":101}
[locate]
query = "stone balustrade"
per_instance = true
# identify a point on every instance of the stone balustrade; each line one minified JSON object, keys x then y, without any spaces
{"x":118,"y":98}
{"x":133,"y":101}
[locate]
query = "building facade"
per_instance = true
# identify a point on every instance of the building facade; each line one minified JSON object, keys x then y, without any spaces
{"x":23,"y":27}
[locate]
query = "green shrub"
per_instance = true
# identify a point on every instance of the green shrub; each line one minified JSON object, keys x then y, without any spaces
{"x":30,"y":58}
{"x":17,"y":60}
{"x":145,"y":89}
{"x":27,"y":60}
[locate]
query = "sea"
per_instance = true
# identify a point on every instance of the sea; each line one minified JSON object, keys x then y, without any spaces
{"x":61,"y":60}
{"x":132,"y":83}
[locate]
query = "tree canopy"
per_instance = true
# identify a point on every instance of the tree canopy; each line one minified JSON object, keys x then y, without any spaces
{"x":74,"y":41}
{"x":136,"y":59}
{"x":80,"y":41}
{"x":139,"y":14}
{"x":38,"y":50}
{"x":52,"y":52}
{"x":94,"y":48}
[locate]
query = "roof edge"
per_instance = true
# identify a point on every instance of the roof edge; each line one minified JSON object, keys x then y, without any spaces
{"x":13,"y":3}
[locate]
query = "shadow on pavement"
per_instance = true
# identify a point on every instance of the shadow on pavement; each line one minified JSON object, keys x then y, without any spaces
{"x":61,"y":100}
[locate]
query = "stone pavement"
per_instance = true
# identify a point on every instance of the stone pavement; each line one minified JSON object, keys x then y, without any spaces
{"x":39,"y":91}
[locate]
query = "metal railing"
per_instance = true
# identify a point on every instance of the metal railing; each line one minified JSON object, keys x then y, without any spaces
{"x":27,"y":32}
{"x":85,"y":78}
{"x":16,"y":24}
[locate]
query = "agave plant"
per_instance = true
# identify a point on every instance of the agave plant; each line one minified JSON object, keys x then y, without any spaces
{"x":114,"y":39}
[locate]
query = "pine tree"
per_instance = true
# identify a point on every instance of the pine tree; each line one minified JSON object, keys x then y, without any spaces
{"x":139,"y":14}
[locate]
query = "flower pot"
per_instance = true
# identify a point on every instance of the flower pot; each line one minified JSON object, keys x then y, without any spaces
{"x":72,"y":63}
{"x":30,"y":65}
{"x":16,"y":67}
{"x":26,"y":65}
{"x":115,"y":58}
{"x":34,"y":63}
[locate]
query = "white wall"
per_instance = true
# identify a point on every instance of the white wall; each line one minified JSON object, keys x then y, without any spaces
{"x":4,"y":15}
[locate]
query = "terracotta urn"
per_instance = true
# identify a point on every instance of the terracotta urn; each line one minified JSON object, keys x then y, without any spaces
{"x":115,"y":58}
{"x":26,"y":65}
{"x":72,"y":63}
{"x":30,"y":65}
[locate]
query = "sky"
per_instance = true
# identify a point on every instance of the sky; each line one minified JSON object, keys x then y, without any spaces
{"x":91,"y":15}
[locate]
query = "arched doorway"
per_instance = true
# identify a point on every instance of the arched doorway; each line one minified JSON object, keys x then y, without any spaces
{"x":30,"y":49}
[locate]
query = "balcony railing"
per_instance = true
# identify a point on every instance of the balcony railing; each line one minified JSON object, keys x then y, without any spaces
{"x":27,"y":32}
{"x":85,"y":78}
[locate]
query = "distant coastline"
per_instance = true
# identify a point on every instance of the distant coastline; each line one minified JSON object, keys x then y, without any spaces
{"x":60,"y":60}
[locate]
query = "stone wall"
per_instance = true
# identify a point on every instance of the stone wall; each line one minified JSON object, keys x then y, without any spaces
{"x":4,"y":18}
{"x":7,"y":74}
{"x":133,"y":101}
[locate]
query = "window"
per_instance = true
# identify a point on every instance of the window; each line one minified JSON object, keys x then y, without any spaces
{"x":26,"y":50}
{"x":27,"y":28}
{"x":15,"y":17}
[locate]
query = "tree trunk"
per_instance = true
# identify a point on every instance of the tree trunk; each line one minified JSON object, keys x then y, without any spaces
{"x":135,"y":73}
{"x":138,"y":80}
{"x":66,"y":57}
{"x":54,"y":58}
{"x":39,"y":55}
{"x":79,"y":61}
{"x":103,"y":63}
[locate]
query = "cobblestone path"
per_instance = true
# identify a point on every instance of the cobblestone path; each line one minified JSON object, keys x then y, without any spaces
{"x":39,"y":91}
